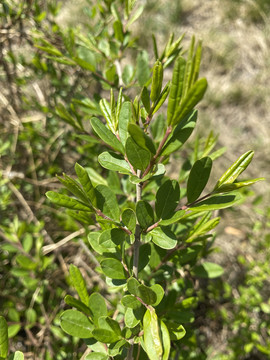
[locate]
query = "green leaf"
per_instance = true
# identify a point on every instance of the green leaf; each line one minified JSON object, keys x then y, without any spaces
{"x":198,"y":178}
{"x":166,"y":341}
{"x":74,"y":187}
{"x":118,"y":30}
{"x":158,"y":289}
{"x":208,"y":270}
{"x":71,"y":301}
{"x":176,"y":87}
{"x":110,"y":239}
{"x":79,"y":283}
{"x":137,"y":156}
{"x":163,"y":238}
{"x":235,"y":186}
{"x":76,"y":324}
{"x":145,"y":97}
{"x":129,"y":219}
{"x":84,"y":64}
{"x":93,"y":238}
{"x":106,"y":111}
{"x":216,"y":202}
{"x":140,"y":138}
{"x":18,"y":355}
{"x":113,"y":162}
{"x":203,"y":229}
{"x":144,"y":256}
{"x":133,"y":316}
{"x":25,"y":262}
{"x":145,"y":214}
{"x":113,"y":268}
{"x":176,"y":331}
{"x":105,"y":336}
{"x":3,"y":338}
{"x":143,"y":71}
{"x":173,"y":219}
{"x":105,"y":322}
{"x":180,"y":134}
{"x":66,"y":201}
{"x":106,"y":202}
{"x":151,"y":336}
{"x":131,"y":302}
{"x":85,"y":182}
{"x":106,"y":135}
{"x":193,"y":97}
{"x":235,"y":170}
{"x":145,"y":293}
{"x":97,"y":306}
{"x":157,"y":79}
{"x":124,"y":119}
{"x":135,"y":16}
{"x":96,"y":356}
{"x":162,"y":98}
{"x":167,"y":198}
{"x":95,"y":177}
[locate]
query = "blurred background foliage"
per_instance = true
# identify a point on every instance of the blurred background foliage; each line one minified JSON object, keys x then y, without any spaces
{"x":50,"y":86}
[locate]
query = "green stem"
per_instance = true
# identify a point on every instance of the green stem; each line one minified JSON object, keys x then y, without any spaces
{"x":137,"y":241}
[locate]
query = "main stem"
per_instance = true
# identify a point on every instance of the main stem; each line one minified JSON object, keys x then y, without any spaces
{"x":137,"y":232}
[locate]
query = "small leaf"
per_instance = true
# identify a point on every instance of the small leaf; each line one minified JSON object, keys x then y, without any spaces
{"x":96,"y":356}
{"x":79,"y":283}
{"x":106,"y":202}
{"x":85,"y":182}
{"x":163,"y":238}
{"x":131,"y":302}
{"x":145,"y":293}
{"x":157,"y":79}
{"x":106,"y":111}
{"x":129,"y":219}
{"x":167,"y":198}
{"x":66,"y":201}
{"x":145,"y":97}
{"x":3,"y":338}
{"x":71,"y":301}
{"x":110,"y":239}
{"x":193,"y":97}
{"x":176,"y":331}
{"x":74,"y":187}
{"x":137,"y":156}
{"x":235,"y":186}
{"x":145,"y":214}
{"x":162,"y":98}
{"x":198,"y":178}
{"x":84,"y":64}
{"x":235,"y":170}
{"x":133,"y":316}
{"x":216,"y":202}
{"x":158,"y":289}
{"x":105,"y":336}
{"x":18,"y":355}
{"x":124,"y":119}
{"x":203,"y":229}
{"x":113,"y":162}
{"x":208,"y":270}
{"x":143,"y":71}
{"x":173,"y":219}
{"x":166,"y":341}
{"x":113,"y":268}
{"x":98,"y":307}
{"x":106,"y":135}
{"x":140,"y":138}
{"x":76,"y":324}
{"x":151,"y":336}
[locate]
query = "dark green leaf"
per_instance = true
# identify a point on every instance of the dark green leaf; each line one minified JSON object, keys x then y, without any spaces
{"x":163,"y":238}
{"x":71,"y":301}
{"x":140,"y":138}
{"x":162,"y":98}
{"x":106,"y":135}
{"x":110,"y":239}
{"x":66,"y":201}
{"x":113,"y":268}
{"x":131,"y":302}
{"x":145,"y":214}
{"x":85,"y":182}
{"x":79,"y":283}
{"x":144,"y":256}
{"x":180,"y":134}
{"x":129,"y":219}
{"x":106,"y":202}
{"x":167,"y":198}
{"x":3,"y":338}
{"x":176,"y":331}
{"x":74,"y":187}
{"x":198,"y":178}
{"x":145,"y":293}
{"x":124,"y":119}
{"x":76,"y":324}
{"x":216,"y":202}
{"x":113,"y":162}
{"x":157,"y":79}
{"x":97,"y":306}
{"x":137,"y":156}
{"x":235,"y":186}
{"x":105,"y":336}
{"x":145,"y":99}
{"x":208,"y":270}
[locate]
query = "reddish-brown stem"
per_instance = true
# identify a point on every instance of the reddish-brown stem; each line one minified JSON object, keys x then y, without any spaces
{"x":152,"y":227}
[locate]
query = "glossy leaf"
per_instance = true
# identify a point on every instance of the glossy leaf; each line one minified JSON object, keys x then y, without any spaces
{"x":124,"y":119}
{"x":130,"y":301}
{"x":180,"y":134}
{"x":198,"y":178}
{"x":106,"y":202}
{"x":166,"y":341}
{"x":105,"y":322}
{"x":109,"y":239}
{"x":145,"y":293}
{"x":193,"y":97}
{"x":145,"y":214}
{"x":106,"y":135}
{"x":98,"y":307}
{"x":216,"y":202}
{"x":18,"y":355}
{"x":163,"y":238}
{"x":144,"y":256}
{"x":208,"y":270}
{"x":79,"y":283}
{"x":76,"y":324}
{"x":66,"y":201}
{"x":203,"y":229}
{"x":162,"y":98}
{"x":106,"y":111}
{"x":93,"y":238}
{"x":158,"y":289}
{"x":176,"y":331}
{"x":140,"y":138}
{"x":112,"y":161}
{"x":176,"y":87}
{"x":137,"y":156}
{"x":151,"y":336}
{"x":113,"y":268}
{"x":3,"y":338}
{"x":236,"y":185}
{"x":105,"y":336}
{"x":85,"y":181}
{"x":167,"y":198}
{"x":133,"y":316}
{"x":71,"y":301}
{"x":129,"y":219}
{"x":236,"y":169}
{"x":173,"y":219}
{"x":157,"y":79}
